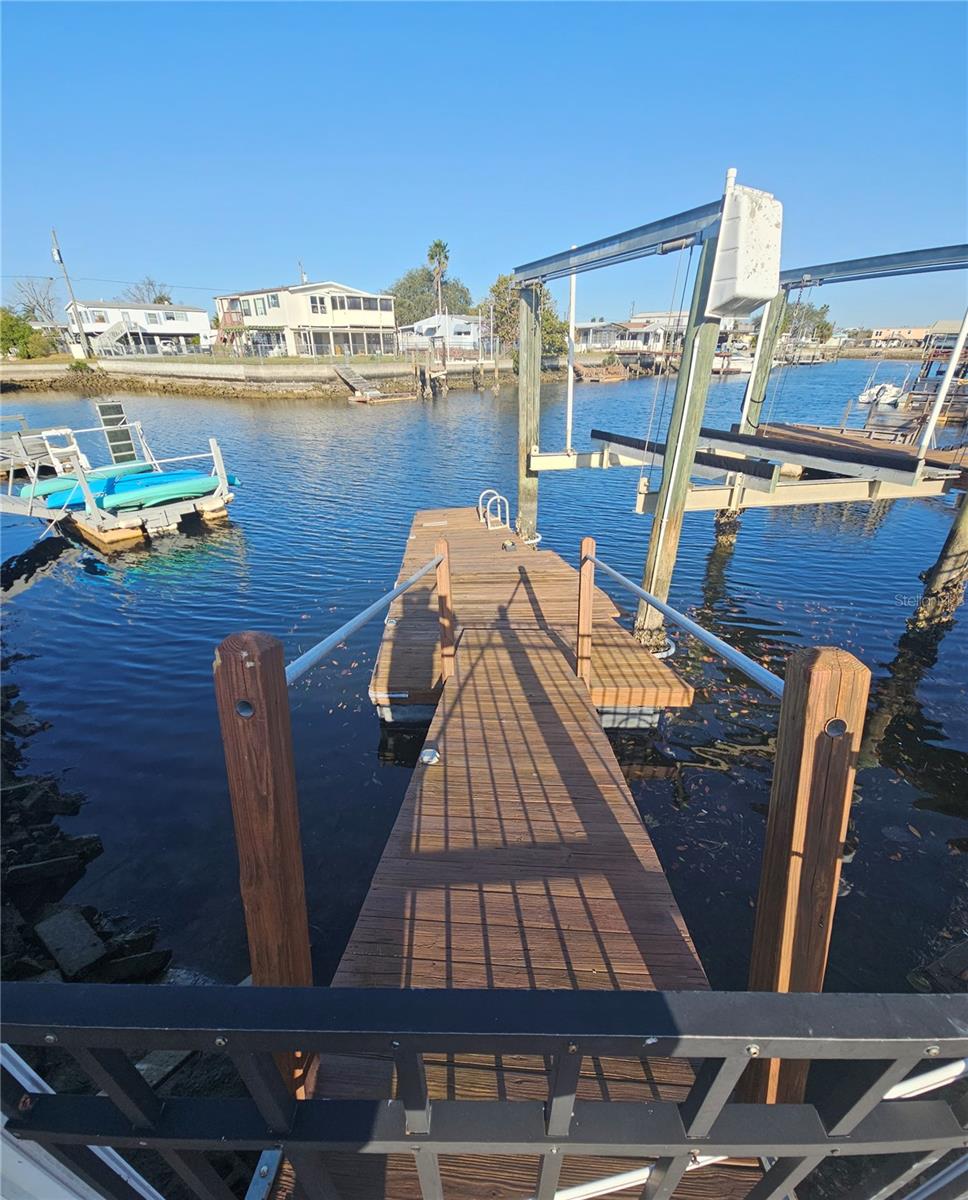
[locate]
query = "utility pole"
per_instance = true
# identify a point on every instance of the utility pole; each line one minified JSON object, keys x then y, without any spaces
{"x":302,"y":273}
{"x":55,"y":253}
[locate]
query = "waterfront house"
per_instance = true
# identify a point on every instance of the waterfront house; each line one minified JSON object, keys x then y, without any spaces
{"x":895,"y":337}
{"x":597,"y":335}
{"x":308,"y":319}
{"x":458,"y":331}
{"x":116,"y":326}
{"x":942,"y":335}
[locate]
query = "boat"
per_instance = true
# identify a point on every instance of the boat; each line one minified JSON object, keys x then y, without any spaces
{"x":725,"y":363}
{"x":881,"y":393}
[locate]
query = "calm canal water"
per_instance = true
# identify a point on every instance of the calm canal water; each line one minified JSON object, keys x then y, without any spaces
{"x":120,"y":654}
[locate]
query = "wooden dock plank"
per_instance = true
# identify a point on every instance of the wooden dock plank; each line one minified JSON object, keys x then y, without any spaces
{"x":519,"y":860}
{"x":518,"y":587}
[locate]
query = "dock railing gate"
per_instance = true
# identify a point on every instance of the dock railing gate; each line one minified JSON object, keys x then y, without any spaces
{"x":876,"y":1062}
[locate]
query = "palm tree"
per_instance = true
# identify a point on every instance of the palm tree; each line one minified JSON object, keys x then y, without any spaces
{"x":438,"y":255}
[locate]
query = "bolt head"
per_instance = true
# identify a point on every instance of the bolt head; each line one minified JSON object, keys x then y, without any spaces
{"x":263,"y":1172}
{"x":221,"y":1041}
{"x":394,"y":1045}
{"x":50,"y":1038}
{"x":932,"y":1051}
{"x":572,"y":1048}
{"x":753,"y":1051}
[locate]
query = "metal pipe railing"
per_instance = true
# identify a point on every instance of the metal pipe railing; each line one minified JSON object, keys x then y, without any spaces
{"x":305,"y":662}
{"x":736,"y":658}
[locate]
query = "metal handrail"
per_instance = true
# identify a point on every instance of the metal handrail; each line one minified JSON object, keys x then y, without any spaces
{"x":736,"y":658}
{"x":305,"y":662}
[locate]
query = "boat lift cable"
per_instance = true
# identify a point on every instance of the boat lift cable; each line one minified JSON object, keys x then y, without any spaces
{"x":796,"y":329}
{"x":665,"y":380}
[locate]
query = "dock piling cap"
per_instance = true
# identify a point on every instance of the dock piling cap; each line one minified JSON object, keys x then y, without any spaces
{"x":430,"y":756}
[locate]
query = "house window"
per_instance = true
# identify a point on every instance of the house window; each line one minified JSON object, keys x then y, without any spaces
{"x":260,"y":306}
{"x":169,"y":316}
{"x":317,"y":304}
{"x":246,"y":309}
{"x":181,"y":316}
{"x":338,"y":302}
{"x":234,"y":305}
{"x":273,"y":300}
{"x":386,"y":306}
{"x":369,"y":305}
{"x":99,"y":317}
{"x":355,"y":302}
{"x":152,"y":318}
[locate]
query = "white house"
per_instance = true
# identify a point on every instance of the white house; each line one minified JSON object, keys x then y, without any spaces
{"x":459,"y":332}
{"x":114,"y":326}
{"x":308,"y":319}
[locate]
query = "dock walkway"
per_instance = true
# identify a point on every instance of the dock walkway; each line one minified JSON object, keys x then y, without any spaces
{"x":516,"y":587}
{"x":518,"y":860}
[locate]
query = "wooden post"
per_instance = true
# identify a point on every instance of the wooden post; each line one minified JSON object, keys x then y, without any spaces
{"x":766,"y":341}
{"x":253,"y":709}
{"x":529,"y":407}
{"x":944,"y":584}
{"x":586,"y":604}
{"x":821,"y":724}
{"x":446,"y":608}
{"x":692,"y":384}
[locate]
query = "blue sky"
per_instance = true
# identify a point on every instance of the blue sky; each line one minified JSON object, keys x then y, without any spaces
{"x":214,"y":145}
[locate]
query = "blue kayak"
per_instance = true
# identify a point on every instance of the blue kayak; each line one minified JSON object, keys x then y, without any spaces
{"x":138,"y":491}
{"x":57,"y":483}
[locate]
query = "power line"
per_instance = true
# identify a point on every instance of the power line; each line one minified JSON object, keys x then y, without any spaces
{"x":182,"y":287}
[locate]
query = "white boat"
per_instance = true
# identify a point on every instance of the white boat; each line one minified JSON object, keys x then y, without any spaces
{"x":881,"y":393}
{"x":725,"y":363}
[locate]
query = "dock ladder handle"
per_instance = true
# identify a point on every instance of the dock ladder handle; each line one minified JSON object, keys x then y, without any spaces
{"x":487,"y":498}
{"x":823,"y":704}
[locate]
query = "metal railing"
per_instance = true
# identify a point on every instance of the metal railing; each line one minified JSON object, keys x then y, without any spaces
{"x":736,"y":658}
{"x":307,"y":660}
{"x":866,"y":1045}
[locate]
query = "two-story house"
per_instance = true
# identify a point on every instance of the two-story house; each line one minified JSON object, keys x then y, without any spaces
{"x":133,"y":325}
{"x":309,"y":319}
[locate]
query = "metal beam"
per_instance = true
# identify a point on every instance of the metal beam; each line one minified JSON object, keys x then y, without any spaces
{"x":633,"y":1129}
{"x":658,"y":237}
{"x":878,"y":266}
{"x":691,"y":1024}
{"x":705,"y":466}
{"x":810,"y":491}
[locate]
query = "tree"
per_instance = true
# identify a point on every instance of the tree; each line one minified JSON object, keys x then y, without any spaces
{"x":438,"y":255}
{"x":38,"y":301}
{"x":807,"y":321}
{"x":17,"y":334}
{"x":147,"y":291}
{"x":554,"y":331}
{"x":415,"y":295}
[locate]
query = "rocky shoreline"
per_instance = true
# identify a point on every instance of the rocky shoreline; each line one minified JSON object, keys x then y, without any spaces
{"x":43,"y":938}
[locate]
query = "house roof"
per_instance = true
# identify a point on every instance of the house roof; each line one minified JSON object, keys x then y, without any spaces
{"x":327,"y":285}
{"x":945,"y":327}
{"x":143,"y":304}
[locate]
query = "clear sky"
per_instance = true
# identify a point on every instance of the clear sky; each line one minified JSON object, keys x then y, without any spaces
{"x":214,"y":145}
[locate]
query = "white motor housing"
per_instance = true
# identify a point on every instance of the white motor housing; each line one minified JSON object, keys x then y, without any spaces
{"x":746,"y":272}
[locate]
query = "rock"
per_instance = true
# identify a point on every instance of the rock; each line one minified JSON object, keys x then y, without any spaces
{"x":134,"y":968}
{"x":135,"y":942}
{"x":49,"y":868}
{"x":72,"y":941}
{"x":47,"y":801}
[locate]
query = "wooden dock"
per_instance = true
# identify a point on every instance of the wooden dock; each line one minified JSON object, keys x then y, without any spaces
{"x":517,"y":587}
{"x":518,"y":859}
{"x":954,"y":458}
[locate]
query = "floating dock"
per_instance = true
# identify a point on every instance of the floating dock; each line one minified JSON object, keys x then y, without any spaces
{"x":519,"y":858}
{"x":499,"y":581}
